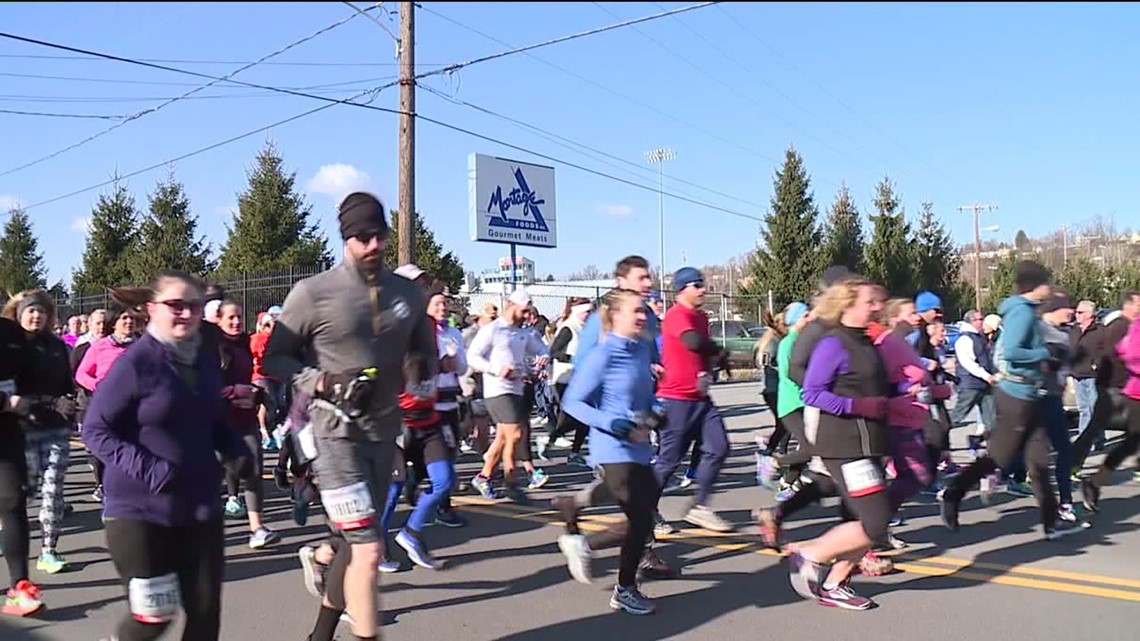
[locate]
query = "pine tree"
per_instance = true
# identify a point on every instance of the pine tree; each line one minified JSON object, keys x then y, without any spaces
{"x":167,"y":238}
{"x":430,"y":257}
{"x":271,"y":229}
{"x":1002,"y":282}
{"x":787,"y":259}
{"x":889,"y":257}
{"x":843,"y":234}
{"x":1085,"y":279}
{"x":21,"y":264}
{"x":939,"y":262}
{"x":111,"y":238}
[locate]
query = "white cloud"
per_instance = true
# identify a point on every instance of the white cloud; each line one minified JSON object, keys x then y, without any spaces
{"x":338,"y":180}
{"x":614,"y":210}
{"x":81,"y":225}
{"x":8,"y":202}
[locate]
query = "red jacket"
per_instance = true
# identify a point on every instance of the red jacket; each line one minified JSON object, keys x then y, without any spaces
{"x":418,"y":412}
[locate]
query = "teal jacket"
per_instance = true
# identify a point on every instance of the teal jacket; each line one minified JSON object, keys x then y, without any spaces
{"x":1021,"y":351}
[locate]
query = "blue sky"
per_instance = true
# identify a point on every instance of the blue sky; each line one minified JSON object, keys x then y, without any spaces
{"x":1028,"y":106}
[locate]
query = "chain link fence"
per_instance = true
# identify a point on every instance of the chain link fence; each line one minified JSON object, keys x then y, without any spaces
{"x":254,"y":292}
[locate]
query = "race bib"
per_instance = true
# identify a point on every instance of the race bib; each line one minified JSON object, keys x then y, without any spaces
{"x":704,"y":381}
{"x":350,"y":507}
{"x":154,"y":600}
{"x":8,"y":387}
{"x":862,"y":478}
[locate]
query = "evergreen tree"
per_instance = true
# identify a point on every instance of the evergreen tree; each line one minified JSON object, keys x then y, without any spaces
{"x":843,"y":234}
{"x":271,"y":229}
{"x":430,"y":256}
{"x":21,"y":264}
{"x":889,"y":257}
{"x":1021,"y":241}
{"x":1086,"y":279}
{"x":1002,"y":282}
{"x":939,"y":263}
{"x":167,"y":239}
{"x":111,"y":238}
{"x":787,"y":259}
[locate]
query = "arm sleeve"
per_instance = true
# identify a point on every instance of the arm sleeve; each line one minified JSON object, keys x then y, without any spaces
{"x":480,"y":349}
{"x":291,"y":334}
{"x":460,"y":352}
{"x":583,"y":395}
{"x":561,"y":342}
{"x":826,"y":361}
{"x":588,"y":338}
{"x":85,"y":373}
{"x":103,"y":425}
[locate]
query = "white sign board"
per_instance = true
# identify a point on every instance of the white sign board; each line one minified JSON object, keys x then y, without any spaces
{"x":512,"y":202}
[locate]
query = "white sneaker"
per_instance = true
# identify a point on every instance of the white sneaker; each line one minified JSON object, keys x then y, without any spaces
{"x":578,"y":556}
{"x":703,"y":517}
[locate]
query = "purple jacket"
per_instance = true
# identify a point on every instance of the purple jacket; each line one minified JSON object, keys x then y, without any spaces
{"x":158,"y":436}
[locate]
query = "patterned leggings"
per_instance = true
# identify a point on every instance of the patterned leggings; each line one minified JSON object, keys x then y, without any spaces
{"x":48,"y":453}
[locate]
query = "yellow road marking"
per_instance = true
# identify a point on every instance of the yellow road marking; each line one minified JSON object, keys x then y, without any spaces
{"x":1069,"y":582}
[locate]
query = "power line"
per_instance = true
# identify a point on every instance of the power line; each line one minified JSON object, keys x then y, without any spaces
{"x":155,"y":108}
{"x":159,"y":83}
{"x":16,"y":112}
{"x":568,"y":141}
{"x":182,"y":61}
{"x":614,"y":92}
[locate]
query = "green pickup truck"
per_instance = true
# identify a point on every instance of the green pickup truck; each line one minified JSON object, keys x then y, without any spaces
{"x":741,"y":338}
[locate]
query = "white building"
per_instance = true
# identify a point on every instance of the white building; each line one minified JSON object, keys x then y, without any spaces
{"x":524,"y":273}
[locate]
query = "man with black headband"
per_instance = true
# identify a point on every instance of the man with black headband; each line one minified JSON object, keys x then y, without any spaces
{"x":342,"y":339}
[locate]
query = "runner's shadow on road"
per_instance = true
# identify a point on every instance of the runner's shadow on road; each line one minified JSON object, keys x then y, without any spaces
{"x":676,"y":614}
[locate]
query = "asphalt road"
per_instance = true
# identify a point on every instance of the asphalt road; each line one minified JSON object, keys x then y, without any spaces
{"x":505,"y":579}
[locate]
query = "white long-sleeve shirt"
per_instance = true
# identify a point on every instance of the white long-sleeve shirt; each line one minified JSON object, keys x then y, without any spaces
{"x":449,"y":341}
{"x":964,"y":352}
{"x":499,"y":344}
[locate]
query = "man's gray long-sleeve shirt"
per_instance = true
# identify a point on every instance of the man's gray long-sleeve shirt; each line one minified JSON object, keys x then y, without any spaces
{"x":330,"y":323}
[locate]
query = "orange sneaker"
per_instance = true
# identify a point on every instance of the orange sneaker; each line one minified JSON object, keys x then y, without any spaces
{"x":23,"y":600}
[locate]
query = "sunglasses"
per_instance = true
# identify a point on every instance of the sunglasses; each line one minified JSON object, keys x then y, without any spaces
{"x":699,"y":284}
{"x":179,"y":307}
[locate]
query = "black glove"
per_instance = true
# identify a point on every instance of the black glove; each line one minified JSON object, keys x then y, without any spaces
{"x":66,"y":407}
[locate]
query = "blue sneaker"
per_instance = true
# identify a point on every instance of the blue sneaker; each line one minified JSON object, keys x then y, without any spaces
{"x":765,"y":471}
{"x":449,"y":519}
{"x":1016,"y":488}
{"x":483,"y":486}
{"x":538,"y":479}
{"x":235,"y":507}
{"x":577,"y":461}
{"x":631,"y":600}
{"x":388,"y":566}
{"x":787,"y":491}
{"x":417,"y":551}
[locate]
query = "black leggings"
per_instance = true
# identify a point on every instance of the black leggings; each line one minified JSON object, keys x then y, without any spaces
{"x":567,"y":422}
{"x":634,"y":489}
{"x":1125,"y":448}
{"x":195,"y":554}
{"x":14,"y":503}
{"x":796,"y":461}
{"x":780,"y":435}
{"x":254,"y":490}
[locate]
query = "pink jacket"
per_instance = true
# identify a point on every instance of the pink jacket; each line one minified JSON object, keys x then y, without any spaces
{"x":904,"y":370}
{"x":1129,"y":350}
{"x":97,"y":362}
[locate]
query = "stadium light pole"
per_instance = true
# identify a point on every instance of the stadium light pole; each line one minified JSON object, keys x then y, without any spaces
{"x":659,"y":157}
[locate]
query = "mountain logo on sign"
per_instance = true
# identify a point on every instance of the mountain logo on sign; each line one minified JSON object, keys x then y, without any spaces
{"x":530,"y":218}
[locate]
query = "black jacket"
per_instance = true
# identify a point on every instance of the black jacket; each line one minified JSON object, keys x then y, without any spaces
{"x":50,"y":383}
{"x":1084,"y":350}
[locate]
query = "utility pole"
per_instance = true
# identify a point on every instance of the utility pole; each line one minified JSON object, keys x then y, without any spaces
{"x":977,"y":208}
{"x":407,"y":170}
{"x":658,"y":157}
{"x":1064,"y":246}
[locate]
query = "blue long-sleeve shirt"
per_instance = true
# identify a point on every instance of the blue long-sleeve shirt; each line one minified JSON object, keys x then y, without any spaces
{"x":157,"y":436}
{"x":613,"y":382}
{"x":592,"y":331}
{"x":1022,"y":349}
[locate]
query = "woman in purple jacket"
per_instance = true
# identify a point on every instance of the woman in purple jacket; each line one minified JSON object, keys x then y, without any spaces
{"x":156,"y":423}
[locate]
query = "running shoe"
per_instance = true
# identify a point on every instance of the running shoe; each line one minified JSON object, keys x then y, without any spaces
{"x":653,"y":566}
{"x":300,"y":510}
{"x":516,"y":494}
{"x":874,"y":565}
{"x":1090,"y":495}
{"x":578,"y":556}
{"x":263,"y":537}
{"x":482,"y":485}
{"x":314,"y":572}
{"x":23,"y":600}
{"x":631,"y":600}
{"x":703,"y":517}
{"x":765,"y":471}
{"x":97,"y":495}
{"x":787,"y":490}
{"x":1066,"y":513}
{"x":948,"y":510}
{"x":417,"y":552}
{"x":538,"y":479}
{"x":568,"y":509}
{"x":1020,"y":489}
{"x":661,"y":527}
{"x":842,"y":596}
{"x":449,"y":518}
{"x":898,"y":520}
{"x":388,"y":566}
{"x":51,"y":562}
{"x":805,"y":575}
{"x":769,"y":527}
{"x":1061,"y":529}
{"x":577,"y":461}
{"x":686,"y":482}
{"x":563,"y":442}
{"x":541,"y":446}
{"x":235,"y":507}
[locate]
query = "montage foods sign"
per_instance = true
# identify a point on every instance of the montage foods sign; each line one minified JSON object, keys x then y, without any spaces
{"x":512,"y":202}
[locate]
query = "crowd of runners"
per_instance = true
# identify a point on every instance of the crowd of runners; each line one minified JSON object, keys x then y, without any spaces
{"x":370,"y":385}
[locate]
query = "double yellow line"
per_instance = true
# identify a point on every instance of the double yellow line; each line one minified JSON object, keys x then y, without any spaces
{"x":1014,"y":575}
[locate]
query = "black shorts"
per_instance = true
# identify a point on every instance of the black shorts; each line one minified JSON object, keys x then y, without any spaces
{"x":425,"y":445}
{"x":508,"y":409}
{"x":864,"y":494}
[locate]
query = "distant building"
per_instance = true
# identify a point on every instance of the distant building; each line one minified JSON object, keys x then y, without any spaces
{"x":524,"y":272}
